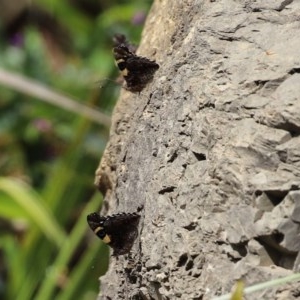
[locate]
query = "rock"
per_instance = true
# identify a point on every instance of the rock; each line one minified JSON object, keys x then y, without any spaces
{"x":210,"y":148}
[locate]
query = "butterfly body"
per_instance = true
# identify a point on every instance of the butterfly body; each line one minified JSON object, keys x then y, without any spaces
{"x":119,"y":231}
{"x":137,"y":71}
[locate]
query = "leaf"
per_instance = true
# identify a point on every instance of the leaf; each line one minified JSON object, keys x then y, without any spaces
{"x":33,"y":208}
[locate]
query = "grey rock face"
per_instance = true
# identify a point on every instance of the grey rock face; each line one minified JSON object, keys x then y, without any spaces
{"x":211,"y":149}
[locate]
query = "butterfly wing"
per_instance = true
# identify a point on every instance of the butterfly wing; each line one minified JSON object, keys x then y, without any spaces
{"x":118,"y":231}
{"x":96,"y":223}
{"x":137,"y":71}
{"x":140,"y":72}
{"x":122,"y":230}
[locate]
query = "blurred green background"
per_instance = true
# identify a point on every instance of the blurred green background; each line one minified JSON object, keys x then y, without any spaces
{"x":58,"y":52}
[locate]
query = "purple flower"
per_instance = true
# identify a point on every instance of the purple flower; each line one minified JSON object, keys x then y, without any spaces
{"x":17,"y":39}
{"x":138,"y":18}
{"x":42,"y":125}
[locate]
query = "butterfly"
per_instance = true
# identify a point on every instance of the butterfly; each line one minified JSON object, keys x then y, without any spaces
{"x":137,"y":71}
{"x":119,"y":231}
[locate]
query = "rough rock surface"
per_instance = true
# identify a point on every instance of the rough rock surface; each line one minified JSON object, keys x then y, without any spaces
{"x":211,"y":149}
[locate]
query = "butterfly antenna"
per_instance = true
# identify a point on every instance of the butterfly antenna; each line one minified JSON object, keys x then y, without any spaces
{"x":103,"y":82}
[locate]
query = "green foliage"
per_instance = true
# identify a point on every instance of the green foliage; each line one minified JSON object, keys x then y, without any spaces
{"x":49,"y":154}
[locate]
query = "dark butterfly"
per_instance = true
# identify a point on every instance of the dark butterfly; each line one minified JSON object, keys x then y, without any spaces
{"x":137,"y":71}
{"x":118,"y":231}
